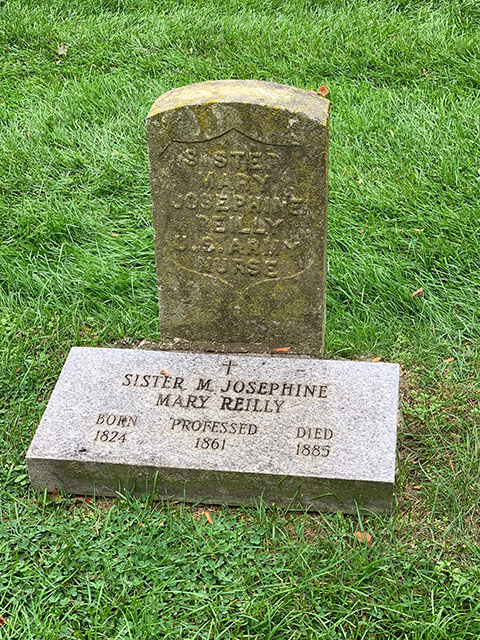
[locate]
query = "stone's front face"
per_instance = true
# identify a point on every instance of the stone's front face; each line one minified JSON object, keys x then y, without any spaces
{"x":237,"y":208}
{"x":221,"y":429}
{"x":238,"y":175}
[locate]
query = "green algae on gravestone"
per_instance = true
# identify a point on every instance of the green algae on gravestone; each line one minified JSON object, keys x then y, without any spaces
{"x":238,"y":172}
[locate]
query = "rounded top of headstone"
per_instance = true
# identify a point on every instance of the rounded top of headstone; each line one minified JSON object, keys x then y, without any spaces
{"x":268,"y":94}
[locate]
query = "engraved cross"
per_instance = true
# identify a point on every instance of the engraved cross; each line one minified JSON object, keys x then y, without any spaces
{"x":229,"y":365}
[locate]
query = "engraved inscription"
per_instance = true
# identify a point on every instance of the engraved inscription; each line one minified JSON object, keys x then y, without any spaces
{"x":313,"y":450}
{"x":213,"y":426}
{"x":210,"y":443}
{"x":109,"y":436}
{"x":112,"y":427}
{"x":229,"y":366}
{"x":112,"y":419}
{"x":224,"y":396}
{"x":310,"y":449}
{"x":235,"y":207}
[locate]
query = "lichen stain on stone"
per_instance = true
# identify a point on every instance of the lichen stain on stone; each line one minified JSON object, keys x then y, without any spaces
{"x":268,"y":94}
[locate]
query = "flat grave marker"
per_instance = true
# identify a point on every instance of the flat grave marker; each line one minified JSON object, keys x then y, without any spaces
{"x":221,"y":428}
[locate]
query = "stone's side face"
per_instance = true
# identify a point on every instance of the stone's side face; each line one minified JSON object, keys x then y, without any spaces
{"x":238,"y":175}
{"x":221,"y":429}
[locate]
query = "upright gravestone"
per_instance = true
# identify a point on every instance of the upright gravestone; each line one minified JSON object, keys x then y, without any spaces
{"x":238,"y":173}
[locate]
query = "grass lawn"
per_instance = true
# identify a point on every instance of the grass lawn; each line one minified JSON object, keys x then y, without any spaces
{"x":77,"y":268}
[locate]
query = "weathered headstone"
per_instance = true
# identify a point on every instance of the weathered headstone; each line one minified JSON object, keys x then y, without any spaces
{"x":238,"y":173}
{"x":221,"y":429}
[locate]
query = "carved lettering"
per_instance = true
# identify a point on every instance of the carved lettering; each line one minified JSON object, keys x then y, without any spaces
{"x":190,"y":156}
{"x":227,"y":194}
{"x":111,"y":419}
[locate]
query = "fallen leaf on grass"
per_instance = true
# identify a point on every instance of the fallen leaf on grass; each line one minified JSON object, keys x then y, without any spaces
{"x":207,"y":516}
{"x":322,"y":91}
{"x":392,"y":133}
{"x":87,"y":331}
{"x":418,"y":292}
{"x":448,"y":360}
{"x":2,"y":621}
{"x":364,"y":536}
{"x":377,"y":359}
{"x":283,"y":349}
{"x":114,"y":235}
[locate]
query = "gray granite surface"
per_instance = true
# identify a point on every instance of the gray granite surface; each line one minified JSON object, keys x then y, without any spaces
{"x":221,"y":429}
{"x":238,"y":172}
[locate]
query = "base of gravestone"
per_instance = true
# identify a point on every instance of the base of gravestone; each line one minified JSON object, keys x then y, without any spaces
{"x":232,"y":348}
{"x":211,"y":487}
{"x":181,"y":347}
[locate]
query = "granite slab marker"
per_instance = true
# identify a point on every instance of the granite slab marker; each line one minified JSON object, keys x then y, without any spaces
{"x":221,"y":428}
{"x":238,"y":172}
